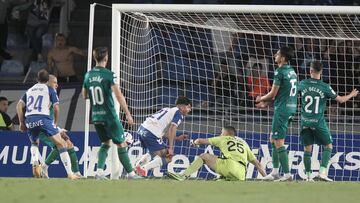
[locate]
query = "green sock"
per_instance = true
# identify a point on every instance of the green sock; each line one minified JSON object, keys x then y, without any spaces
{"x":326,"y":155}
{"x":307,"y":161}
{"x":74,"y":160}
{"x":102,"y":154}
{"x":284,"y":159}
{"x":124,"y":159}
{"x":54,"y":154}
{"x":194,"y":166}
{"x":275,"y":157}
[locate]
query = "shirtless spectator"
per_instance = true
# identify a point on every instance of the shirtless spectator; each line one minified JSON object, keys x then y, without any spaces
{"x":61,"y":59}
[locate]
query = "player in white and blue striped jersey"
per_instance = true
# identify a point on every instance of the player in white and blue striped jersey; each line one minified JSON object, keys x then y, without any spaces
{"x":37,"y":102}
{"x":162,"y":124}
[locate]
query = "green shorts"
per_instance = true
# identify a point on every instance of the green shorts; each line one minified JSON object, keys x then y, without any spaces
{"x":318,"y":133}
{"x":230,"y":169}
{"x":280,"y":124}
{"x":46,"y":140}
{"x":112,"y":129}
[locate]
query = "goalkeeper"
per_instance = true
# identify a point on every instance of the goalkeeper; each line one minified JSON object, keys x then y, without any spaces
{"x":231,"y":165}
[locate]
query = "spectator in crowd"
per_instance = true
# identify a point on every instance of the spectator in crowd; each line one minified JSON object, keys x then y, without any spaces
{"x":61,"y":59}
{"x":224,"y":85}
{"x":37,"y":25}
{"x":5,"y":120}
{"x":4,"y":5}
{"x":258,"y":83}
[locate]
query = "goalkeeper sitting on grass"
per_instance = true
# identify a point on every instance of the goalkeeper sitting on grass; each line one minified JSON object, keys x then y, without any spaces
{"x":231,"y":165}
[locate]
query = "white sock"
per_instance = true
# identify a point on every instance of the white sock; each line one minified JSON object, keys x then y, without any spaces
{"x":65,"y":159}
{"x":144,"y":159}
{"x":275,"y":171}
{"x":34,"y":149}
{"x":131,"y":174}
{"x":45,"y":166}
{"x":156,"y":162}
{"x":100,"y":171}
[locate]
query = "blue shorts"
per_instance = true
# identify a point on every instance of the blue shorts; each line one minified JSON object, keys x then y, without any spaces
{"x":38,"y":123}
{"x":150,"y":141}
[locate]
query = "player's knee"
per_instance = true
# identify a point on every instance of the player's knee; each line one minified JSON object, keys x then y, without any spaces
{"x":69,"y":144}
{"x":328,"y":146}
{"x":308,"y":148}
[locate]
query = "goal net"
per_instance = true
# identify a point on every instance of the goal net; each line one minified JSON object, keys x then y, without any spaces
{"x":222,"y":57}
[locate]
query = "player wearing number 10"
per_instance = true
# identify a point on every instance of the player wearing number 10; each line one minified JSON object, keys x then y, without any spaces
{"x":100,"y":83}
{"x":314,"y":129}
{"x":284,"y":94}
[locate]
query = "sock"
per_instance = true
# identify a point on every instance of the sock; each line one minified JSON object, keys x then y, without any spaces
{"x":156,"y":162}
{"x":307,"y":161}
{"x":284,"y":159}
{"x":325,"y":158}
{"x":275,"y":157}
{"x":194,"y":166}
{"x":124,"y":159}
{"x":102,"y":155}
{"x":34,"y":149}
{"x":74,"y":160}
{"x":144,"y":159}
{"x":100,"y":171}
{"x":65,"y":159}
{"x":52,"y":156}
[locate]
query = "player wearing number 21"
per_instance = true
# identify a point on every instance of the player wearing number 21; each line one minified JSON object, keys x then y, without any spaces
{"x":314,"y":129}
{"x":99,"y":83}
{"x":231,"y":165}
{"x":284,"y":94}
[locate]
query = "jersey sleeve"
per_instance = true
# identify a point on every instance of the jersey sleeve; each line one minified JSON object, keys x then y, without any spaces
{"x":277,"y":77}
{"x":54,"y":99}
{"x":177,"y":119}
{"x":330,"y":93}
{"x":215,"y":141}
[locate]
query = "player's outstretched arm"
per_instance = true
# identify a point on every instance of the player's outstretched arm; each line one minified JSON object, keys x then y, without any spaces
{"x":342,"y":99}
{"x":259,"y":167}
{"x":121,"y":99}
{"x":19,"y":109}
{"x":171,"y":137}
{"x":201,"y":141}
{"x":269,"y":96}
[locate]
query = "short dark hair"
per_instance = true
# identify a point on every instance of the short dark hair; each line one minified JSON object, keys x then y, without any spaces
{"x":100,"y":53}
{"x":316,"y":66}
{"x":183,"y":101}
{"x":3,"y":99}
{"x":230,"y":129}
{"x":43,"y":76}
{"x":287,"y":53}
{"x":60,"y":35}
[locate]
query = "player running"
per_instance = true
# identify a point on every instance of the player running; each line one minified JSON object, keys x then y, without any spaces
{"x":53,"y":155}
{"x":284,"y":94}
{"x":231,"y":165}
{"x":152,"y":131}
{"x":99,"y":83}
{"x":37,"y":101}
{"x":314,"y":129}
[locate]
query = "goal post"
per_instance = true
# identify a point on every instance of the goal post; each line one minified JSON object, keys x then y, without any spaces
{"x":160,"y":52}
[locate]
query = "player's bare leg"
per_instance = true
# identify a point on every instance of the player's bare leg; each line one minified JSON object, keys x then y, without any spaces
{"x":326,"y":155}
{"x":284,"y":159}
{"x":64,"y":156}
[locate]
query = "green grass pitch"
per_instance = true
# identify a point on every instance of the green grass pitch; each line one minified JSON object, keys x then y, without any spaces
{"x":17,"y":190}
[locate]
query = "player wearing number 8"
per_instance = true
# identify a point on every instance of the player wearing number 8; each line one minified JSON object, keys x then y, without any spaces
{"x":231,"y":165}
{"x":99,"y":83}
{"x":314,"y":129}
{"x":284,"y":94}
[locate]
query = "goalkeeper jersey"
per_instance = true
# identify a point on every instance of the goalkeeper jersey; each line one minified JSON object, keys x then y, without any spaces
{"x":233,"y":148}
